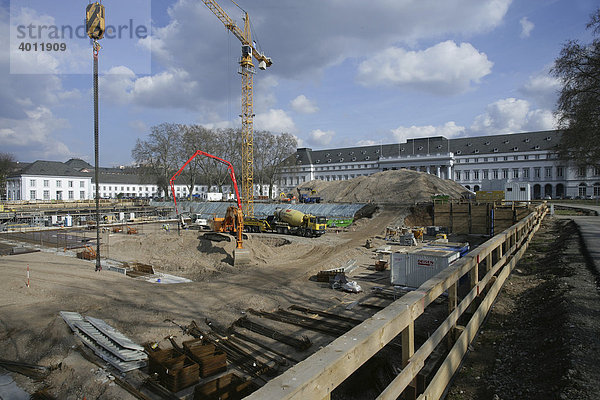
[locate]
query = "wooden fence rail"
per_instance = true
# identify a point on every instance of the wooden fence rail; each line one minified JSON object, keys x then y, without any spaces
{"x":318,"y":375}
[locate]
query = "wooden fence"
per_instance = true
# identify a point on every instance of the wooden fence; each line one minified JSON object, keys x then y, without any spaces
{"x":487,"y":266}
{"x":478,"y":218}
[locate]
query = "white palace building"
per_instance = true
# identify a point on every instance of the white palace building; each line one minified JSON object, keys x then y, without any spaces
{"x":477,"y":163}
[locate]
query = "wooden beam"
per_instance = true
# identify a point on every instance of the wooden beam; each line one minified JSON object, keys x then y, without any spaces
{"x":408,"y":343}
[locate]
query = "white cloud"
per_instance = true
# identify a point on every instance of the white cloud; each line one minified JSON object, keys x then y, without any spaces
{"x":116,"y":85}
{"x":168,"y":89}
{"x":274,"y":120}
{"x":512,"y":115}
{"x":444,"y":68}
{"x":264,"y":93}
{"x":366,"y":142}
{"x":28,"y":103}
{"x":299,"y":141}
{"x":543,"y":89}
{"x":303,"y":105}
{"x":448,"y":130}
{"x":526,"y":27}
{"x":320,"y":138}
{"x":32,"y":137}
{"x":321,"y":34}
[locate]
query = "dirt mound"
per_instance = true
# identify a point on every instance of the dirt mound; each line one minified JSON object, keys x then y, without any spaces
{"x":391,"y":187}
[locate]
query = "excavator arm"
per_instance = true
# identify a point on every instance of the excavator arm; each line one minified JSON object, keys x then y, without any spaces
{"x":243,"y":37}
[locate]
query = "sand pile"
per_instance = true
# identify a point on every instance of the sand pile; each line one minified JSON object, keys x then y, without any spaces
{"x":399,"y":187}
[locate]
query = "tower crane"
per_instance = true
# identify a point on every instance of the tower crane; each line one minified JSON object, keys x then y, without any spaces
{"x":247,"y":71}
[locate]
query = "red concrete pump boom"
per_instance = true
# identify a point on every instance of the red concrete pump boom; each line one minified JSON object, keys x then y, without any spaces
{"x":198,"y":153}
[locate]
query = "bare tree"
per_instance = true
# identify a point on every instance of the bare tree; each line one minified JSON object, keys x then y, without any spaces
{"x":159,"y":155}
{"x":196,"y":137}
{"x":270,"y":151}
{"x":578,"y":67}
{"x":7,"y":162}
{"x":228,"y":146}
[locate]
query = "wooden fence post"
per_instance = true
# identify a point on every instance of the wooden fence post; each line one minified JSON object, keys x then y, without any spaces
{"x":408,"y":350}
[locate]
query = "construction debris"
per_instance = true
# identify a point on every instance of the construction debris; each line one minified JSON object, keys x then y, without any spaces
{"x":329,"y":275}
{"x":381,"y":265}
{"x":135,"y":270}
{"x":108,"y":343}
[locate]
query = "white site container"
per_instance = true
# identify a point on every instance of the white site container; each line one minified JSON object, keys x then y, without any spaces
{"x":213,"y":196}
{"x":517,"y":191}
{"x":414,"y":268}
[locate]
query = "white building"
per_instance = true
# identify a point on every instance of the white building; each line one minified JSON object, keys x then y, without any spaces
{"x":49,"y":180}
{"x":74,"y":180}
{"x":478,"y":163}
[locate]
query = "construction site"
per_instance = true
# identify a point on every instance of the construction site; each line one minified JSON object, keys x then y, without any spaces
{"x":198,"y":325}
{"x":377,"y":285}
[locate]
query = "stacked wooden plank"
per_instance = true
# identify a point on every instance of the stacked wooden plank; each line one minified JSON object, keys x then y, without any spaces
{"x":210,"y":360}
{"x":227,"y":387}
{"x":108,"y":343}
{"x":175,"y":371}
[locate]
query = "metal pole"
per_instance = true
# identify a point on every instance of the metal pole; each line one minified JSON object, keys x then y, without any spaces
{"x":96,"y":48}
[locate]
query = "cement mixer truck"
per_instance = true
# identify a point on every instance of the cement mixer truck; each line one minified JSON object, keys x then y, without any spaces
{"x":288,"y":221}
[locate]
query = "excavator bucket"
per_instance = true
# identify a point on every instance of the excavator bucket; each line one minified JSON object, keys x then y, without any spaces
{"x":241,"y":257}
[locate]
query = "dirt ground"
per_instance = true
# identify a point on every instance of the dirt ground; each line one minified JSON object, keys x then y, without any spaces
{"x":541,"y":340}
{"x":32,"y":331}
{"x":401,"y":186}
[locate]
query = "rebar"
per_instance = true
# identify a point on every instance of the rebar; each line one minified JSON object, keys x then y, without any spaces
{"x":299,"y":344}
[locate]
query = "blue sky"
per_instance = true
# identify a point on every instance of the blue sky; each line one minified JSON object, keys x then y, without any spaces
{"x":345,"y":72}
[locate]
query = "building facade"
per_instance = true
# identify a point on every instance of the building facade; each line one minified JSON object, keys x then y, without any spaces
{"x":477,"y":163}
{"x":49,"y":180}
{"x":74,"y":180}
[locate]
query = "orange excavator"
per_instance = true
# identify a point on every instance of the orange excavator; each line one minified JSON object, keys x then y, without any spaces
{"x":234,"y":217}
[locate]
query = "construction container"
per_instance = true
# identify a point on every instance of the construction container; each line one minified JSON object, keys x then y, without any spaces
{"x":489,"y":195}
{"x":517,"y":191}
{"x":461,"y":248}
{"x":212,"y":196}
{"x":414,"y":268}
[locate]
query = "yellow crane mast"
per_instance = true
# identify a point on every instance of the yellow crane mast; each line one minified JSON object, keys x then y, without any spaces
{"x":247,"y":71}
